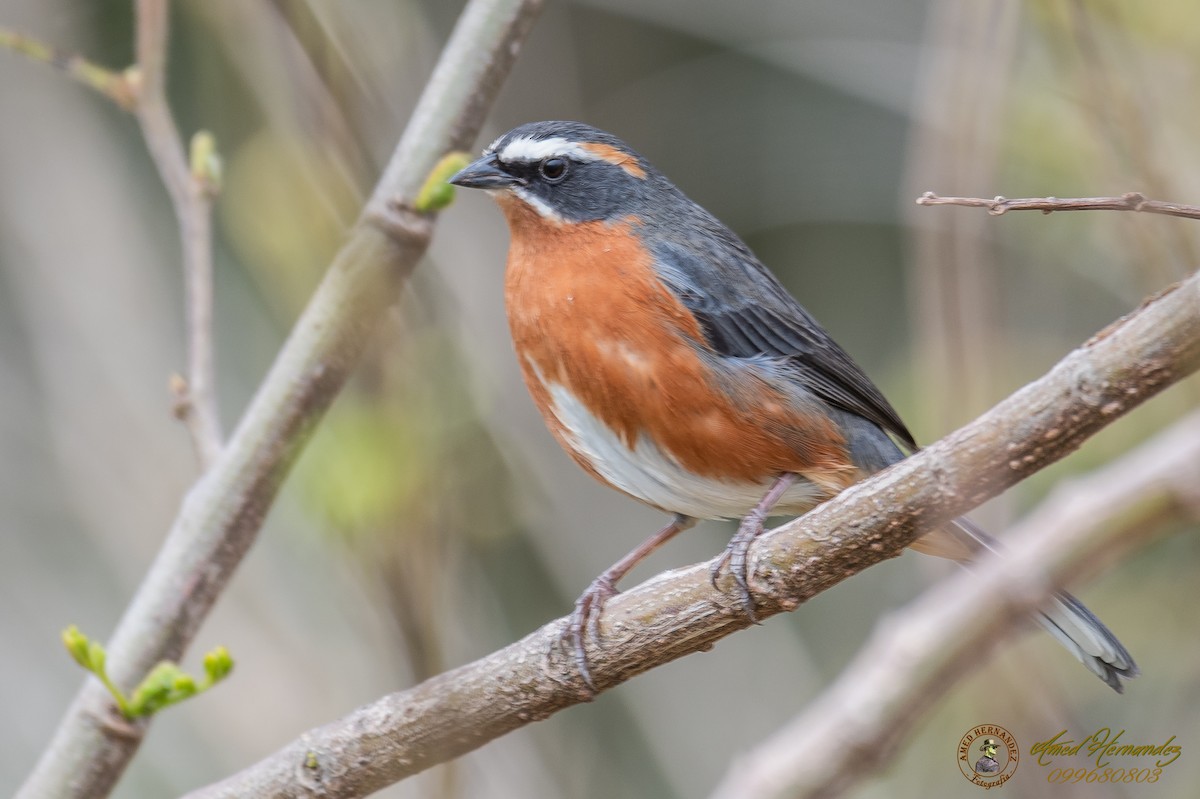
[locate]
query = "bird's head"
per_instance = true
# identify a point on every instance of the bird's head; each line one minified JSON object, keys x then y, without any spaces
{"x":562,"y":171}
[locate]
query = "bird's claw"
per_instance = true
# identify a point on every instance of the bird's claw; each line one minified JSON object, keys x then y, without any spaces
{"x":585,"y":620}
{"x":735,"y":556}
{"x":714,"y":571}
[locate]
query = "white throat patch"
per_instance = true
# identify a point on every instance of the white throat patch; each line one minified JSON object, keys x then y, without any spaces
{"x":539,"y":205}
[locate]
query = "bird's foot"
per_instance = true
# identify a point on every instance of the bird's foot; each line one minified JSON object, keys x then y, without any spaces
{"x":735,"y":556}
{"x":585,"y":621}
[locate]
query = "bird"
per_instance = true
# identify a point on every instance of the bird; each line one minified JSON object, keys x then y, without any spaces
{"x":673,"y":366}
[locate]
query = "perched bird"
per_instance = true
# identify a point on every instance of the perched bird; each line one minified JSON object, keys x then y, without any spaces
{"x":672,"y":366}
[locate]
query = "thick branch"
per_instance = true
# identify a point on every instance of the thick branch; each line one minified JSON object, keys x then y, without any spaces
{"x":192,"y":202}
{"x":222,"y":513}
{"x":679,"y":612}
{"x":856,"y":726}
{"x":1130,"y":201}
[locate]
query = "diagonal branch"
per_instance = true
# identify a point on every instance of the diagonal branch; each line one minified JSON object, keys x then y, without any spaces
{"x":678,"y":612}
{"x":1130,"y":201}
{"x":222,"y":513}
{"x":858,"y":724}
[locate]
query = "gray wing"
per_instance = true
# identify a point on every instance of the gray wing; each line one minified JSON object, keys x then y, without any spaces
{"x":746,"y":312}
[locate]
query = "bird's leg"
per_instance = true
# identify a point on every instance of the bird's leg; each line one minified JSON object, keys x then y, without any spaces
{"x":750,"y":529}
{"x":586,"y":616}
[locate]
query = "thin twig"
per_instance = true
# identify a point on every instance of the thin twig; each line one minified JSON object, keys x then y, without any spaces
{"x":196,"y":398}
{"x":679,"y":612}
{"x":860,"y":722}
{"x":222,"y":513}
{"x":1130,"y":201}
{"x":142,"y":90}
{"x":113,"y":85}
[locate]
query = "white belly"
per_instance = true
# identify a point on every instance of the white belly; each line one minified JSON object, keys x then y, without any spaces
{"x":653,"y":476}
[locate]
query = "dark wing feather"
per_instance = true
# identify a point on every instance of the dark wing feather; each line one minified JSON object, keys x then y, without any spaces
{"x":746,"y":312}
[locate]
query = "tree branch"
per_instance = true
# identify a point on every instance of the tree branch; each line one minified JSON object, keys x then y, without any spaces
{"x":1130,"y":201}
{"x":679,"y":612}
{"x":142,"y":90}
{"x":113,"y":85}
{"x":222,"y":513}
{"x":859,"y":723}
{"x":191,"y":198}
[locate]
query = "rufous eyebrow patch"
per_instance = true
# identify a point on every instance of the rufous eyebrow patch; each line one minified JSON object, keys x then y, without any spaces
{"x":616,"y":157}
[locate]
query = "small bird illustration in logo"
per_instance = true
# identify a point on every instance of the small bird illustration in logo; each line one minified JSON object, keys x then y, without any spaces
{"x":671,"y":365}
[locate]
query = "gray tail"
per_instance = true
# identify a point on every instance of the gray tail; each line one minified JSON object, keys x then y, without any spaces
{"x":1086,"y":637}
{"x":1064,"y":617}
{"x":1074,"y":626}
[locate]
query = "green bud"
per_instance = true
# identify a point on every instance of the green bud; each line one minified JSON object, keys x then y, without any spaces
{"x":436,"y":193}
{"x":155,"y":690}
{"x":165,"y":674}
{"x":205,"y":162}
{"x":183,"y":686}
{"x":77,"y":645}
{"x":133,"y":79}
{"x":217,"y":664}
{"x":96,"y":657}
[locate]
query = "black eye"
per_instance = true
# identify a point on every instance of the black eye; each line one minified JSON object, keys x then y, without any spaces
{"x":553,"y":169}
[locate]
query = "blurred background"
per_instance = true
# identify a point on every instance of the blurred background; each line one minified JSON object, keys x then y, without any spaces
{"x":432,"y":519}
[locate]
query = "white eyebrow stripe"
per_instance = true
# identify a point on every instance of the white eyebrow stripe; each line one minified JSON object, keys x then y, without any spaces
{"x":529,"y":150}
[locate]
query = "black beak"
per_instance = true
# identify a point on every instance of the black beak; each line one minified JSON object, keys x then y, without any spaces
{"x":484,"y":174}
